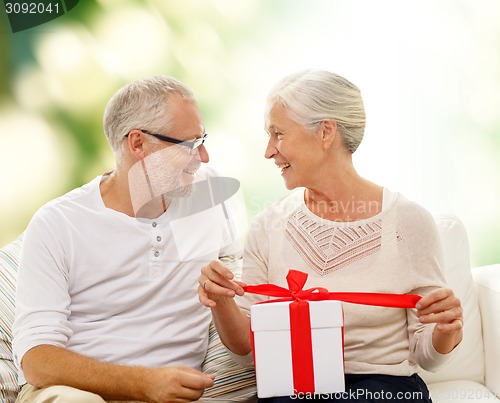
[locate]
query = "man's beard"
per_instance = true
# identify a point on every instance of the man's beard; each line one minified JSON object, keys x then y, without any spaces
{"x":160,"y":177}
{"x":178,"y":192}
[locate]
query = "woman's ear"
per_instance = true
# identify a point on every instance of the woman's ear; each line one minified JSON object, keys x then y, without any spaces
{"x":136,"y":143}
{"x":328,"y":130}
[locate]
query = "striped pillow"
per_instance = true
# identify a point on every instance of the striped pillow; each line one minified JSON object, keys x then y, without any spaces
{"x":233,"y":383}
{"x":9,"y":262}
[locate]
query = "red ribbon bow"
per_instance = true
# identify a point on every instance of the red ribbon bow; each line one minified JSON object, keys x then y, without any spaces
{"x":300,"y":321}
{"x":295,"y":292}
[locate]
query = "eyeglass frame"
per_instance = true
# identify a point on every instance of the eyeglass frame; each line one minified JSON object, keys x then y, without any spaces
{"x":192,"y":145}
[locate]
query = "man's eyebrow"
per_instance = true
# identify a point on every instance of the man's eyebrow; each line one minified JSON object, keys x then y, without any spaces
{"x":199,"y":136}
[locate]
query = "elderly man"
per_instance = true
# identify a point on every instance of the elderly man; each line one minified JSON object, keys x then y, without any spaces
{"x":107,"y":304}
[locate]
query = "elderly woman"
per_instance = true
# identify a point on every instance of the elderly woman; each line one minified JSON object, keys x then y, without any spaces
{"x":348,"y":234}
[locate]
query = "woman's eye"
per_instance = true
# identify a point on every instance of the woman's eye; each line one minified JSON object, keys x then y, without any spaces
{"x":279,"y":136}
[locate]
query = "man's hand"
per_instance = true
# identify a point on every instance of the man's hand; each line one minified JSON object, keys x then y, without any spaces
{"x":47,"y":365}
{"x":177,"y":384}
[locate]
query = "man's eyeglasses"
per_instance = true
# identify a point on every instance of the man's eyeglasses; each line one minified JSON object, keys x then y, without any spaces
{"x":192,"y":145}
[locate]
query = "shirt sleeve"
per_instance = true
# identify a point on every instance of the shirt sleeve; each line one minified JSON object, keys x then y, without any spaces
{"x":426,"y":258}
{"x":42,"y":297}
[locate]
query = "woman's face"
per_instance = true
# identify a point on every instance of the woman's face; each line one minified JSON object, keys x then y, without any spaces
{"x":295,"y":151}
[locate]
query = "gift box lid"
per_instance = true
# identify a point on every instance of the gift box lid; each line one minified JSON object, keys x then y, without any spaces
{"x":276,"y":316}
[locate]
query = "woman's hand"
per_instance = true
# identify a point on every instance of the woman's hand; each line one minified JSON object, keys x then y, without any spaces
{"x":217,"y":290}
{"x":441,"y":306}
{"x":217,"y":283}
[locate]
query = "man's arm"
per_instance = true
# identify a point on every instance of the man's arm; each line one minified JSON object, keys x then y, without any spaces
{"x":47,"y":365}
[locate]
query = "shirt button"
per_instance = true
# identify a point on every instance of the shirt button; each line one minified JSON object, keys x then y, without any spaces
{"x":157,"y":254}
{"x":154,"y":224}
{"x":158,"y":238}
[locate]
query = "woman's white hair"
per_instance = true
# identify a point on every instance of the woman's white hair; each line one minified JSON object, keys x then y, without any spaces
{"x":142,"y":104}
{"x":312,"y":96}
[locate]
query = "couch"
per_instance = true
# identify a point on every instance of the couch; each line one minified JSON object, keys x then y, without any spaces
{"x":472,"y":375}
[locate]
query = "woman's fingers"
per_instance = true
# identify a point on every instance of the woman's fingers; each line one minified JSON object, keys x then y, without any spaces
{"x":441,"y":306}
{"x":216,"y":282}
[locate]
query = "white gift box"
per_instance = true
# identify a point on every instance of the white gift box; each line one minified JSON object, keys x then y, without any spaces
{"x":273,"y":353}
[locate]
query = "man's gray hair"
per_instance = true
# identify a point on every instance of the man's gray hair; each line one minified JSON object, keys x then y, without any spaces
{"x":312,"y":96}
{"x":142,"y":104}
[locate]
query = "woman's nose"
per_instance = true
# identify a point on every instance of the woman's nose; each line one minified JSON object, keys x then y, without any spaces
{"x":271,"y":150}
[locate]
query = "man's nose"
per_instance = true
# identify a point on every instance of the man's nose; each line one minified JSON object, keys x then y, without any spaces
{"x":203,"y":154}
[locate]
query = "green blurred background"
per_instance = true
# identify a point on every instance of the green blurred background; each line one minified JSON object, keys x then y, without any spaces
{"x":429,"y":72}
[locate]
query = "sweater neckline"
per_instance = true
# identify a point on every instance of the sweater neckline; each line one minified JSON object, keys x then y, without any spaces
{"x":388,"y":199}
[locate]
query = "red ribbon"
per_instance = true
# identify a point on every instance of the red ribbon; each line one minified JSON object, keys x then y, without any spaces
{"x":300,"y":321}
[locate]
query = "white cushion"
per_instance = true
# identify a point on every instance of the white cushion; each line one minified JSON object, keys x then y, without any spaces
{"x":468,"y":363}
{"x":488,"y":286}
